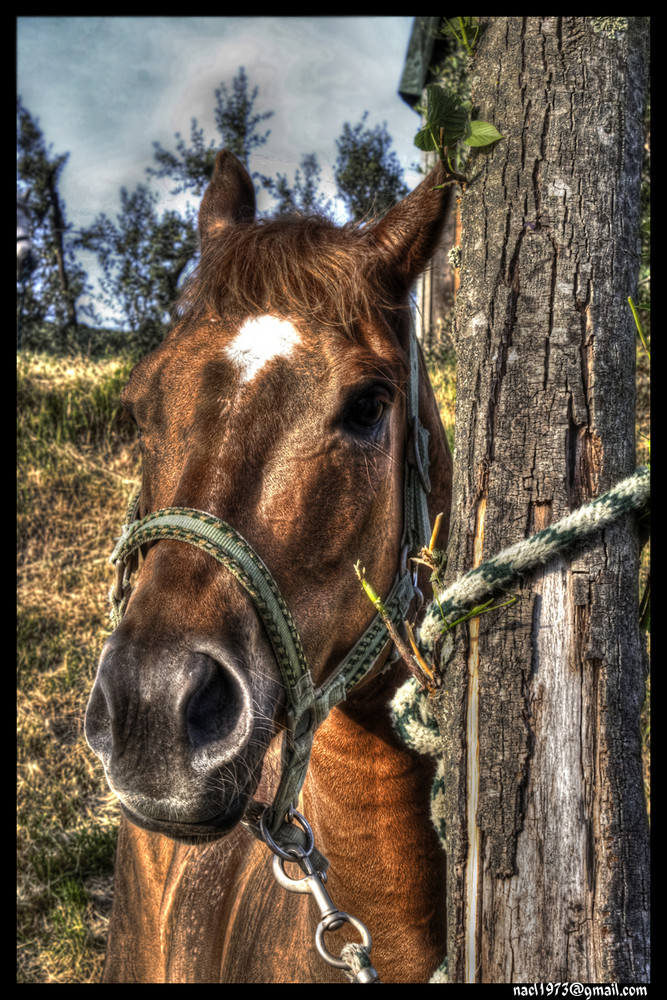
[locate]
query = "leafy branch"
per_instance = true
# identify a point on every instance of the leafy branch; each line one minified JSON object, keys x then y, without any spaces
{"x":413,"y":659}
{"x":464,"y":29}
{"x":447,"y":123}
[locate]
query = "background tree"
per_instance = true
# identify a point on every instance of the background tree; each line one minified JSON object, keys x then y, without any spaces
{"x":546,"y":819}
{"x":142,"y":255}
{"x":368,"y":173}
{"x":191,"y":167}
{"x":49,"y":292}
{"x":303,"y":195}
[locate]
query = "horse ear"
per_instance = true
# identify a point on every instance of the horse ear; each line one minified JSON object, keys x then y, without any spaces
{"x":229,"y":198}
{"x":409,"y":233}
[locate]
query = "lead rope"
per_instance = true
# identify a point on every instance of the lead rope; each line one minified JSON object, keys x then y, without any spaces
{"x":631,"y":494}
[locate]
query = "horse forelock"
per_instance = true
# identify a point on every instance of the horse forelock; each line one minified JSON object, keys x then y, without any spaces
{"x":303,"y":268}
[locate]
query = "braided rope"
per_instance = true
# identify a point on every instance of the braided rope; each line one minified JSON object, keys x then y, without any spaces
{"x":414,"y":722}
{"x":357,"y":958}
{"x":630,"y":494}
{"x":441,"y":974}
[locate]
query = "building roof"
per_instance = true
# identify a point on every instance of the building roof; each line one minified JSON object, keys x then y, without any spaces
{"x":418,"y":58}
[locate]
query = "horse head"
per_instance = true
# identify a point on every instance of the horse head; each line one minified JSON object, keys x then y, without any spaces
{"x":277,"y":404}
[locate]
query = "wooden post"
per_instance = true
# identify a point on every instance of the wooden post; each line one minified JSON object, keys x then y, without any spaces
{"x":546,"y":820}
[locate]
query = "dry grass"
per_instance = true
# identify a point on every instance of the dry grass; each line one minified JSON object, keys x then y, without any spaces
{"x":77,"y":463}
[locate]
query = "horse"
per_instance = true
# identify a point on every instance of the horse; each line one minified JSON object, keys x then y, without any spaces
{"x":277,"y":416}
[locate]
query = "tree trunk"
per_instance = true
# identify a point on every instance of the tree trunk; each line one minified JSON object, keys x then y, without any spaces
{"x":546,"y":819}
{"x":58,"y":230}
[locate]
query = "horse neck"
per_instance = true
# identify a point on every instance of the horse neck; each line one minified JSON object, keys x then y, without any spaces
{"x":367,"y":799}
{"x":358,"y":762}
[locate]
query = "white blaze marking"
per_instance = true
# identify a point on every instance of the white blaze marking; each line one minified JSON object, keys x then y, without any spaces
{"x":258,"y":341}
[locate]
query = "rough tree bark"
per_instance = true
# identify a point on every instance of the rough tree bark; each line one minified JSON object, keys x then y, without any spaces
{"x":547,"y":828}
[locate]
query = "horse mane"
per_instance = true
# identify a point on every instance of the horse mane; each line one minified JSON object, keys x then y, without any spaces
{"x":303,"y":267}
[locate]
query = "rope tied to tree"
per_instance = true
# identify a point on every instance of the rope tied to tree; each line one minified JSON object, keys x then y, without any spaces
{"x":474,"y":586}
{"x":410,"y":709}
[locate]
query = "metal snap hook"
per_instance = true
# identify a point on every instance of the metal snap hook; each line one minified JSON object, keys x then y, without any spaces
{"x":332,"y":918}
{"x":343,"y":918}
{"x":313,"y":883}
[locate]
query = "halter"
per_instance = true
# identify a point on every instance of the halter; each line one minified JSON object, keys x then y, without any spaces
{"x":307,"y":706}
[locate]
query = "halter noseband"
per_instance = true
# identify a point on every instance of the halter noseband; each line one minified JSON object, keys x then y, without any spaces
{"x":307,"y":706}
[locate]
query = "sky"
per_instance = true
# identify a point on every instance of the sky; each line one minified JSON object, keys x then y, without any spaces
{"x":105,"y":88}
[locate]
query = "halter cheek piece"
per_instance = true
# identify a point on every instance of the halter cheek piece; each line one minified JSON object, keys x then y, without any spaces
{"x":307,"y":706}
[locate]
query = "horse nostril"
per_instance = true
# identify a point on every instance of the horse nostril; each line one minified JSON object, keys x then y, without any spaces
{"x":218,"y":714}
{"x":158,"y":714}
{"x":97,"y":724}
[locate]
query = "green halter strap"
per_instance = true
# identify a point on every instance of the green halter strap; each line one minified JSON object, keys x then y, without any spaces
{"x":307,"y":706}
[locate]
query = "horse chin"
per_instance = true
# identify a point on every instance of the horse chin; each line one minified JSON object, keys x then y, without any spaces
{"x":194,"y":833}
{"x":190,"y":825}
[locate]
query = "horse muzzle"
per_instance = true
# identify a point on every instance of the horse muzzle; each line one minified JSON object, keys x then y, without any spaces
{"x":176,"y":730}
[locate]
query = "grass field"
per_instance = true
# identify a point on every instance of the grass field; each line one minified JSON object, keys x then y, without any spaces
{"x":78,"y":463}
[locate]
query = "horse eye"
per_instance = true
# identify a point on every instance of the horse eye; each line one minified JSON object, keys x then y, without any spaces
{"x":130,"y":413}
{"x":366,"y":411}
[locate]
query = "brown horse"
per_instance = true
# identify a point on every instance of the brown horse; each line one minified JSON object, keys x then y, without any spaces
{"x":278,"y":402}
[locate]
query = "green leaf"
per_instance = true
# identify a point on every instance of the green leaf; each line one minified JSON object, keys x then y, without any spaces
{"x":444,"y":108}
{"x":482,"y":134}
{"x":448,"y":120}
{"x":424,"y":140}
{"x":438,"y":102}
{"x":445,"y":112}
